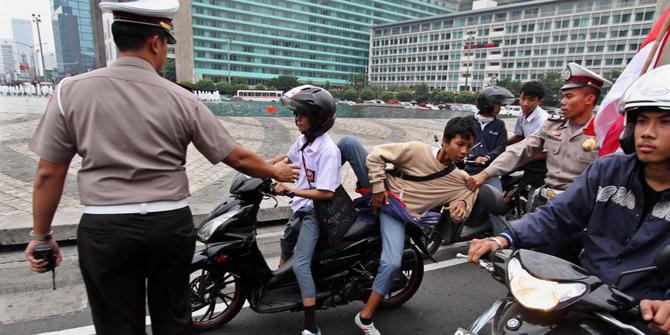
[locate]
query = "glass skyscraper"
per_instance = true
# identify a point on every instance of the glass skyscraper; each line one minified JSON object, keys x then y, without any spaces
{"x":73,"y":35}
{"x":318,"y":41}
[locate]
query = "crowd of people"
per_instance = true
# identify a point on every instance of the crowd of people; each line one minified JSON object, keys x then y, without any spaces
{"x":136,"y":237}
{"x":27,"y":90}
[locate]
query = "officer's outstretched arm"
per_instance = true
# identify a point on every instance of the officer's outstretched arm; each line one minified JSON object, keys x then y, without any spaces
{"x":248,"y":162}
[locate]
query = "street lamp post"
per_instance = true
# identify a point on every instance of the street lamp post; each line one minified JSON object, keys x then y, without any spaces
{"x":37,"y":19}
{"x":229,"y":39}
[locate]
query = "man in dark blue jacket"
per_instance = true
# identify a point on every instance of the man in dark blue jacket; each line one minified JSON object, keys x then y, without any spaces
{"x":622,"y":201}
{"x":491,"y":138}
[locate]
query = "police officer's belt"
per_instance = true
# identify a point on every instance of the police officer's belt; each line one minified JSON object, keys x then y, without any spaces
{"x":548,"y":193}
{"x":431,"y":176}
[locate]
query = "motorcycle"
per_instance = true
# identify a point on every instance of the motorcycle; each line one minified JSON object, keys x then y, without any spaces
{"x":515,"y":195}
{"x":548,"y":295}
{"x":231,"y":269}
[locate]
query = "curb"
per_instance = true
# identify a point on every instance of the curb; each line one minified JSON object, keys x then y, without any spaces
{"x":14,"y":229}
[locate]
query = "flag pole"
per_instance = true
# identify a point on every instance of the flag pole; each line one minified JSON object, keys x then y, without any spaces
{"x":657,"y":44}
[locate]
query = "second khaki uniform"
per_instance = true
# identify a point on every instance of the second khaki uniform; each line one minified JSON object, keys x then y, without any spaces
{"x":569,"y":152}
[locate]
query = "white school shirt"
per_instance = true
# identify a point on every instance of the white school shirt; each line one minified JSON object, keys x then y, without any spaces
{"x":323,"y":158}
{"x":533,"y":124}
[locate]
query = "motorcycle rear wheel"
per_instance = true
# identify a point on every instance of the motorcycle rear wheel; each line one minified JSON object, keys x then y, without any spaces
{"x":216,"y":298}
{"x":413,"y":272}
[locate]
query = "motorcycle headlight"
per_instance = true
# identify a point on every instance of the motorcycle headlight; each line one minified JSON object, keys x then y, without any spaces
{"x":208,"y":228}
{"x":535,"y":293}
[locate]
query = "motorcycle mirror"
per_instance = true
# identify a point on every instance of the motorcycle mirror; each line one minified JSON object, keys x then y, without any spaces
{"x":662,"y":261}
{"x":492,"y":200}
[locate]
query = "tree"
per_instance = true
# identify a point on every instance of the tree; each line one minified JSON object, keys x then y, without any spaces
{"x":205,"y":85}
{"x":367,"y":94}
{"x":260,"y":87}
{"x":552,"y":82}
{"x":614,"y":75}
{"x":465,"y":97}
{"x":359,"y":81}
{"x":388,"y":95}
{"x":284,"y":83}
{"x":421,"y":93}
{"x":225,"y":88}
{"x":169,"y":71}
{"x":349,"y":94}
{"x":187,"y":83}
{"x":404,"y":95}
{"x":445,"y":97}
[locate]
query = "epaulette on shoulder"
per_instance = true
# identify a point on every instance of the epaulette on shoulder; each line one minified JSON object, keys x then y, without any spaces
{"x":556,"y":117}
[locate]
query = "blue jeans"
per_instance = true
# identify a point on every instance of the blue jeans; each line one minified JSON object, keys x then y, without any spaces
{"x":497,"y":221}
{"x":353,"y":152}
{"x":392,"y":230}
{"x":304,"y":250}
{"x":393,"y":244}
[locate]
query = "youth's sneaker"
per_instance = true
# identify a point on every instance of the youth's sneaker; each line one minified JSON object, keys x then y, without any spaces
{"x":307,"y":332}
{"x":366,"y":329}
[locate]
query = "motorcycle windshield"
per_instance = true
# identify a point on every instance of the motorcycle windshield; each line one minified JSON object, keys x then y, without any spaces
{"x":548,"y":267}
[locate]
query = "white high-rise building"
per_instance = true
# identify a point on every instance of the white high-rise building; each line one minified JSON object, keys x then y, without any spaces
{"x":9,"y":66}
{"x":464,"y":51}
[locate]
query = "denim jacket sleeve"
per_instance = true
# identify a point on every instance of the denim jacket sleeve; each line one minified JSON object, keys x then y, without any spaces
{"x":566,"y":214}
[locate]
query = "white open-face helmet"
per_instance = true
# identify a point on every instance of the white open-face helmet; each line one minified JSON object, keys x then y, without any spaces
{"x":650,"y":91}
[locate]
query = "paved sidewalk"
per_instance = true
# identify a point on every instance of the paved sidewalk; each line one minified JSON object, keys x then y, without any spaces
{"x":209,"y":184}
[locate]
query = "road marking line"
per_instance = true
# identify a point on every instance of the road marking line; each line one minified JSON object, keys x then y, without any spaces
{"x":90,"y":330}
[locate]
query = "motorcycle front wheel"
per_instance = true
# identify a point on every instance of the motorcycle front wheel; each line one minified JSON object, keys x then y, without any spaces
{"x":433,"y":237}
{"x":216,"y":297}
{"x":411,"y":274}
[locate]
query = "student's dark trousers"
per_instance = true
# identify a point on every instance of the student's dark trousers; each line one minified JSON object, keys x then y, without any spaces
{"x":122,"y":256}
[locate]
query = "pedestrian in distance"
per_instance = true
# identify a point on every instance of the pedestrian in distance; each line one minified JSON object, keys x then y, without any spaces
{"x":132,"y":127}
{"x":320,"y":175}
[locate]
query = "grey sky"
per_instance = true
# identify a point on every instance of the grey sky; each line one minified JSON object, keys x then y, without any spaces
{"x":22,"y":9}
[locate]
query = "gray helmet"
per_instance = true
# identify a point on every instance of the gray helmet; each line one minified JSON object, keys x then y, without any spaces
{"x":650,"y":91}
{"x":493,"y":94}
{"x":316,"y":103}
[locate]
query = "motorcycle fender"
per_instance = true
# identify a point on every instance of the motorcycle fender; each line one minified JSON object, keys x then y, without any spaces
{"x":484,"y":323}
{"x":199,"y":259}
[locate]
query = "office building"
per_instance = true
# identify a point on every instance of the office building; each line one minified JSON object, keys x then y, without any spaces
{"x":317,"y":41}
{"x":22,"y":32}
{"x":74,"y":37}
{"x":519,"y":41}
{"x":8,"y":60}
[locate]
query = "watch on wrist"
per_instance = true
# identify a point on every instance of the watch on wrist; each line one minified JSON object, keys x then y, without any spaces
{"x":40,"y":237}
{"x":500,"y":245}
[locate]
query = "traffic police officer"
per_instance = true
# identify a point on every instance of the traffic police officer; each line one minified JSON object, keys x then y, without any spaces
{"x":132,"y":129}
{"x":569,"y":140}
{"x":621,"y":201}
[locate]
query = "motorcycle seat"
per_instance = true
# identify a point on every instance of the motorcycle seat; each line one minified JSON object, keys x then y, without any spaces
{"x":514,"y":178}
{"x":360,"y":230}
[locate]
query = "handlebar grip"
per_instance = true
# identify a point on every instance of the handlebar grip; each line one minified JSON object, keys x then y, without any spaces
{"x":289,"y":194}
{"x":631,"y":315}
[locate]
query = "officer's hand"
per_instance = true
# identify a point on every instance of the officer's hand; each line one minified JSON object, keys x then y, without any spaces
{"x":39,"y":265}
{"x":457,"y":209}
{"x":377,"y":200}
{"x":477,"y":180}
{"x":657,"y":313}
{"x":479,"y":248}
{"x":280,"y":188}
{"x":481,"y":160}
{"x":286,"y":172}
{"x":278,"y":159}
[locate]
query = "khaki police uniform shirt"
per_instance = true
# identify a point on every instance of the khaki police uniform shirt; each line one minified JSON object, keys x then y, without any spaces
{"x":566,"y":156}
{"x":132,"y":128}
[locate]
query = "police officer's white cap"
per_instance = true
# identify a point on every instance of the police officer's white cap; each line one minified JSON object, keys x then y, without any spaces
{"x":576,"y":76}
{"x":158,"y":13}
{"x":650,"y":90}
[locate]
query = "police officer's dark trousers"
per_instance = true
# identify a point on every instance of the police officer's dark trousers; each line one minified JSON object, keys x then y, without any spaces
{"x":122,"y":256}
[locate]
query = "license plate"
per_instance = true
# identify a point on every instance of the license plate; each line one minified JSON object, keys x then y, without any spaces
{"x":461,"y":331}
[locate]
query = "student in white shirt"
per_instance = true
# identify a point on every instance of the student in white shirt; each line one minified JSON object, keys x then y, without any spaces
{"x":320,"y":170}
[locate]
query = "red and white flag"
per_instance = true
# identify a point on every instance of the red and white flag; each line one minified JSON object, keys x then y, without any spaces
{"x":608,"y":121}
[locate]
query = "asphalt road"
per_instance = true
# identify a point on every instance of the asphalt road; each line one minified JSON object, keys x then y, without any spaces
{"x":452,"y":295}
